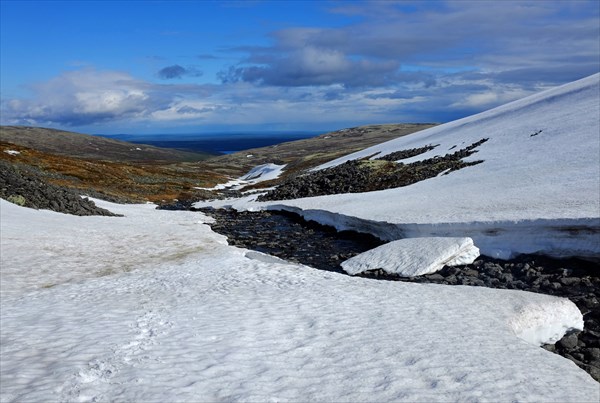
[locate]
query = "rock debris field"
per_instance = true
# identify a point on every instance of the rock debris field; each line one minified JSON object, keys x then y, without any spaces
{"x":25,"y":187}
{"x":367,"y":175}
{"x":289,"y":237}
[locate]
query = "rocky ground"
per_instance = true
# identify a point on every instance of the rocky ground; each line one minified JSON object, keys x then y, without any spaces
{"x":300,"y":155}
{"x":371,"y":174}
{"x":24,"y":186}
{"x":289,"y":237}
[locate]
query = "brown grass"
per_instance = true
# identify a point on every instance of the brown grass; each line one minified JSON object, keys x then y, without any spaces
{"x":130,"y":181}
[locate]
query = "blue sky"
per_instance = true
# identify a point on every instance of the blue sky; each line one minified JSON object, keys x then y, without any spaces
{"x":200,"y":66}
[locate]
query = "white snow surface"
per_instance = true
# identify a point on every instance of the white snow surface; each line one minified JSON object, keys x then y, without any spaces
{"x":128,"y":318}
{"x":534,"y":192}
{"x":12,"y":152}
{"x":414,"y":256}
{"x":259,"y":173}
{"x":263,"y":172}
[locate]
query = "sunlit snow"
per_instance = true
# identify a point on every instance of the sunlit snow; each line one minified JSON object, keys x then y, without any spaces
{"x":221,"y":323}
{"x":414,"y":256}
{"x":259,"y":173}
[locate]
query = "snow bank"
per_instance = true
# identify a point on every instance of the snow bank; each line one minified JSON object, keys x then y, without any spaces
{"x":259,"y":173}
{"x":414,"y":256}
{"x":559,"y":238}
{"x":263,"y":172}
{"x":218,"y":323}
{"x":517,"y":180}
{"x":545,"y":323}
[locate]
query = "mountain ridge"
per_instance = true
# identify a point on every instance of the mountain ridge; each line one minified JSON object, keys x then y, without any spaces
{"x":72,"y":144}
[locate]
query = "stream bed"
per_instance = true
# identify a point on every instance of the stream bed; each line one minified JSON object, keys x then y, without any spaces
{"x":289,"y":237}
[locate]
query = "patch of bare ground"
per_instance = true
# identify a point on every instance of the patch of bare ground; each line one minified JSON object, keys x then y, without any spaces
{"x":80,"y":145}
{"x":111,"y":180}
{"x":118,"y":171}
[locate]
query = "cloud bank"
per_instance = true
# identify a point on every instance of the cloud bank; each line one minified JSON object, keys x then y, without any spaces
{"x":406,"y":61}
{"x":176,"y":71}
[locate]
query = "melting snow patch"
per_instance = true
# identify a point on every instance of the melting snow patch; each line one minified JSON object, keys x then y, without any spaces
{"x":259,"y":173}
{"x":547,"y":322}
{"x":263,"y":173}
{"x":414,"y":256}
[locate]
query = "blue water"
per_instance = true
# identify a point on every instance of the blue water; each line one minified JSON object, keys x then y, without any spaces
{"x":217,"y":143}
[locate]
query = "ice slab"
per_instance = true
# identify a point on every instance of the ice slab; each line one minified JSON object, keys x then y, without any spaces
{"x":414,"y":256}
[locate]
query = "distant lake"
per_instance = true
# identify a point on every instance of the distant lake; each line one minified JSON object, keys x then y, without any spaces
{"x":218,"y":143}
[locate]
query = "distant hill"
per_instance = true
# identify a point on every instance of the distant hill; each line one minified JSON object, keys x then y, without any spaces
{"x":92,"y":147}
{"x":121,"y":171}
{"x":308,"y":153}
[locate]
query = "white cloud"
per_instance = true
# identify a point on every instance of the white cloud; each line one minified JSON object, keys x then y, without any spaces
{"x":88,"y":96}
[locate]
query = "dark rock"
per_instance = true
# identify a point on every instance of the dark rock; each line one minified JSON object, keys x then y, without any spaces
{"x":25,"y":184}
{"x":366,"y":175}
{"x":593,"y":354}
{"x":436,"y":277}
{"x":570,"y":281}
{"x":568,"y":342}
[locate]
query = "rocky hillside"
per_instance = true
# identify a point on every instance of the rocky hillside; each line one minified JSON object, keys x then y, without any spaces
{"x":26,"y":187}
{"x":118,"y":181}
{"x":79,"y":145}
{"x":118,"y":171}
{"x":301,"y":155}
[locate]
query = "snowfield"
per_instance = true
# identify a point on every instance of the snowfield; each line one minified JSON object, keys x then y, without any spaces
{"x":218,"y":323}
{"x":538,"y":189}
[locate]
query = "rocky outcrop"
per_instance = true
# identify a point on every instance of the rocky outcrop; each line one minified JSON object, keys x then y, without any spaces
{"x":367,"y":175}
{"x":24,"y":186}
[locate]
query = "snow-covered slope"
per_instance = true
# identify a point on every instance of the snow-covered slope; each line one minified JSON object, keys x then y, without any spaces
{"x":538,"y":188}
{"x":217,"y":323}
{"x":259,"y":173}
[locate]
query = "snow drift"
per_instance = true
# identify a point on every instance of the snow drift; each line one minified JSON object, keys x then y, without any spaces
{"x":217,"y":323}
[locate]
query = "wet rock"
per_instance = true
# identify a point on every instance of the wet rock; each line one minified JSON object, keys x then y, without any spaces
{"x":436,"y":277}
{"x":570,"y":281}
